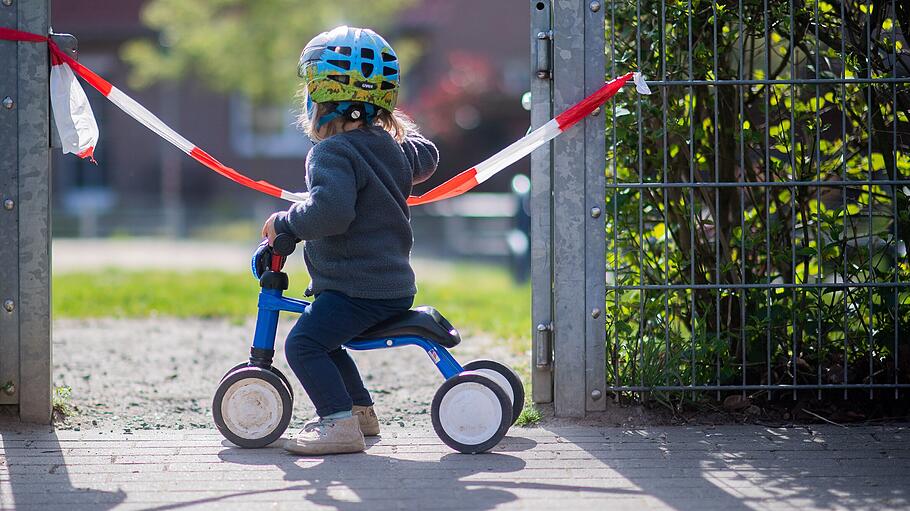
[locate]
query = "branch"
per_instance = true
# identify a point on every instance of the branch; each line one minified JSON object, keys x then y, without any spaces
{"x":794,"y":43}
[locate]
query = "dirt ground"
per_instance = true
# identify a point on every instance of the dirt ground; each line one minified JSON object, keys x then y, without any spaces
{"x":161,"y":373}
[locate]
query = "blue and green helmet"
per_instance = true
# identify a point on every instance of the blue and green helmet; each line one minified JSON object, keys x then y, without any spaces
{"x":348,"y":64}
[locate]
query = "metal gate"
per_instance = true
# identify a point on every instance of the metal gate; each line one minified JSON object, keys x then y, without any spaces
{"x":25,"y":346}
{"x":742,"y":229}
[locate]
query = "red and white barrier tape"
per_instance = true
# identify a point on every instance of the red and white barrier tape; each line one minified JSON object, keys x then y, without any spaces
{"x":146,"y":118}
{"x":523,"y":146}
{"x":83,"y":143}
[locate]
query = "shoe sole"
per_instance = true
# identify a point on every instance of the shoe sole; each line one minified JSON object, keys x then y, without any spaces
{"x":324,"y":448}
{"x":369,"y":432}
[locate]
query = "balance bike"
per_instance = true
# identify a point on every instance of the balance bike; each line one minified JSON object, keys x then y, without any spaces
{"x":471,"y":411}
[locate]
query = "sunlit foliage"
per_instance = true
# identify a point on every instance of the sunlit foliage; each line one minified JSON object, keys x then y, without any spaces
{"x":817,"y":237}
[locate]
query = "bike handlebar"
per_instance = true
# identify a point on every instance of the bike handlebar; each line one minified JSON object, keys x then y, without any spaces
{"x":284,"y":245}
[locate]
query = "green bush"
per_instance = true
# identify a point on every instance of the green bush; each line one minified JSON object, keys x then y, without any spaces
{"x":823,"y":236}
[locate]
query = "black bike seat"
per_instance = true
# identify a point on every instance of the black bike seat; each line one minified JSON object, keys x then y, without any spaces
{"x":424,"y":321}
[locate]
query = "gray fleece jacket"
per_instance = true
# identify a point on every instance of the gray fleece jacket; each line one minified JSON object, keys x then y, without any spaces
{"x":356,"y":223}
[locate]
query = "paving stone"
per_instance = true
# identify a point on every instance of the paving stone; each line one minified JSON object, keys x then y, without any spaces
{"x":704,"y":468}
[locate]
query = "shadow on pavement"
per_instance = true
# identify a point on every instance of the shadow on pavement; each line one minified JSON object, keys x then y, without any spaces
{"x":35,"y":464}
{"x":367,"y":481}
{"x":729,"y":468}
{"x":745,"y":467}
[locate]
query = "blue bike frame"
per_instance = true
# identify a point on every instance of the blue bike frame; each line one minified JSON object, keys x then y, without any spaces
{"x":273,"y":301}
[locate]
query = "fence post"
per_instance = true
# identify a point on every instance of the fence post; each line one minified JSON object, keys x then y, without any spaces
{"x":569,"y":215}
{"x":9,"y":220}
{"x":595,"y":229}
{"x":541,"y":208}
{"x":25,"y":339}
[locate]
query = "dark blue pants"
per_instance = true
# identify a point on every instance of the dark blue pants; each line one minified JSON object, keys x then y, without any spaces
{"x":315,"y":353}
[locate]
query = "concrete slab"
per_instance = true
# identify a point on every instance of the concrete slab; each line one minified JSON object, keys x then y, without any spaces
{"x":704,"y":468}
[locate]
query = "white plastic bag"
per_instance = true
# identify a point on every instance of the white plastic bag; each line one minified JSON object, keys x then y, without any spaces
{"x":72,"y":113}
{"x":640,"y":84}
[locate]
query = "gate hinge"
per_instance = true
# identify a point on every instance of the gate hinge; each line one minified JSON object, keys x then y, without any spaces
{"x":544,"y":57}
{"x":544,"y":345}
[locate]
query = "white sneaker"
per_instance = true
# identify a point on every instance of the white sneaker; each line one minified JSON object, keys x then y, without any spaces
{"x":369,"y":423}
{"x":328,"y":436}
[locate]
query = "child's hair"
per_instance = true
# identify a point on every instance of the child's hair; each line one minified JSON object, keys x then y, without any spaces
{"x":396,"y":123}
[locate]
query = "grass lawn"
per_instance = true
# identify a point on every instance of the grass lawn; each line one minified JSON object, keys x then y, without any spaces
{"x":475,"y":298}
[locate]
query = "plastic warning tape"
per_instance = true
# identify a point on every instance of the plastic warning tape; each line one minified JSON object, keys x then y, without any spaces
{"x":522,"y":147}
{"x":149,"y":120}
{"x":453,"y":187}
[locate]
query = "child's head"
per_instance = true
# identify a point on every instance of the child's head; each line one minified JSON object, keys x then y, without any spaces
{"x":351,"y":80}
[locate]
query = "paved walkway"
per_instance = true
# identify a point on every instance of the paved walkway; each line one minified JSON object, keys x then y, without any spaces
{"x":726,"y":468}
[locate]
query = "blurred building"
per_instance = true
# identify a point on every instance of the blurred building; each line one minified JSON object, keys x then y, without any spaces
{"x":465,"y":92}
{"x":466,"y":89}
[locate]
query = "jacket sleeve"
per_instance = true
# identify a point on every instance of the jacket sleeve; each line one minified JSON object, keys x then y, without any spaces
{"x":422,"y":155}
{"x":329,"y":210}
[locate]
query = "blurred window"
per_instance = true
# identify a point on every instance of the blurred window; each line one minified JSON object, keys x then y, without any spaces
{"x":84,"y":185}
{"x":266,"y":130}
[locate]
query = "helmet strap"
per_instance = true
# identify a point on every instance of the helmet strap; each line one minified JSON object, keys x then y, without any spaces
{"x":350,"y":110}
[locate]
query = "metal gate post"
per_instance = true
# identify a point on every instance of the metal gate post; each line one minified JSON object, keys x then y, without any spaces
{"x":595,"y":230}
{"x":25,"y":337}
{"x":578,"y":269}
{"x":541,"y":207}
{"x":9,"y":219}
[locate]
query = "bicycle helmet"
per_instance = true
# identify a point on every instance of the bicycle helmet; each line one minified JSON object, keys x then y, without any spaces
{"x":354,"y":68}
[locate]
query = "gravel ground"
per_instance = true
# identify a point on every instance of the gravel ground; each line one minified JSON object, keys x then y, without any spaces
{"x":161,"y":373}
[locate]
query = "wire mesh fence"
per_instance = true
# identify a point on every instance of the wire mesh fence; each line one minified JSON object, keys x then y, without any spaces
{"x":757,"y":207}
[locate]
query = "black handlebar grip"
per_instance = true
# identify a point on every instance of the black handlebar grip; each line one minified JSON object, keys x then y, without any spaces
{"x":284,"y":244}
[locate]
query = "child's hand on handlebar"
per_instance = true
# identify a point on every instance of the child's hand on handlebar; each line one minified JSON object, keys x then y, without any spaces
{"x":268,"y":228}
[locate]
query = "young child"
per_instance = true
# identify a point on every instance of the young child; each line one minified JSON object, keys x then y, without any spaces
{"x":356,"y":225}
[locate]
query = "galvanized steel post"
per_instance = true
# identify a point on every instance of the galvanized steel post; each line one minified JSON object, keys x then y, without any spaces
{"x":9,"y":218}
{"x":595,"y":230}
{"x":578,"y":237}
{"x":25,"y":332}
{"x":541,"y":207}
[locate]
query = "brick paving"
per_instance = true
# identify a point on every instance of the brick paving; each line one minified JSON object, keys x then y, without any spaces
{"x":564,"y":468}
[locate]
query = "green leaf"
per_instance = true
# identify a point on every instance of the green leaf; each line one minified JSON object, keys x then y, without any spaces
{"x":878,"y":161}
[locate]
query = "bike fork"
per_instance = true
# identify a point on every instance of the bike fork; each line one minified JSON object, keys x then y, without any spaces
{"x":263,"y":350}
